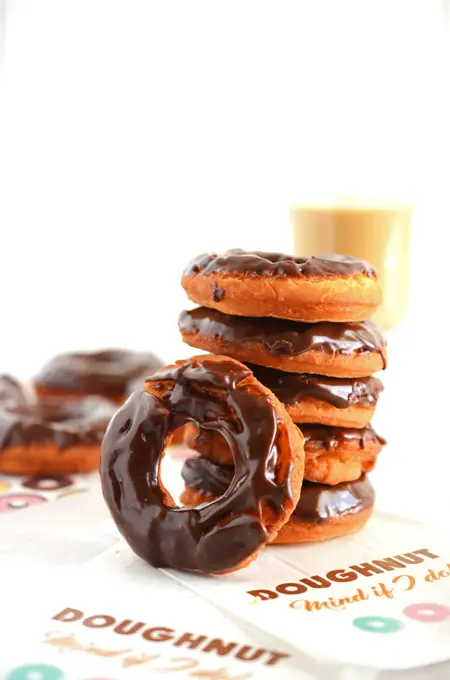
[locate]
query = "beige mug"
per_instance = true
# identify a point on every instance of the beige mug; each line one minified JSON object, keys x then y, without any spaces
{"x":379,"y":234}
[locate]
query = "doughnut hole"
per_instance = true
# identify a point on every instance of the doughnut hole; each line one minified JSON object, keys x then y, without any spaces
{"x":191,"y":437}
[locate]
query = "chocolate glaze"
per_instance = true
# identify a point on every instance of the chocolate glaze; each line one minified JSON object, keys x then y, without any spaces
{"x":211,"y":538}
{"x":107,"y":372}
{"x":291,"y":388}
{"x":285,"y":337}
{"x":257,"y":263}
{"x":318,"y":502}
{"x":329,"y":438}
{"x":49,"y":421}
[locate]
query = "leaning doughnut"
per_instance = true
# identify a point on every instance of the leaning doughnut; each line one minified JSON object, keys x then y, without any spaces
{"x":220,"y":395}
{"x":322,"y":512}
{"x":336,"y":349}
{"x":324,"y":288}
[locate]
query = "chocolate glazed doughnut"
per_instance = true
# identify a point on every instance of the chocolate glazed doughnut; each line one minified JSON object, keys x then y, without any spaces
{"x":335,"y":349}
{"x":332,"y":454}
{"x":323,"y":288}
{"x":51,"y":437}
{"x":308,"y":398}
{"x":339,"y":454}
{"x":322,"y":512}
{"x":220,"y":395}
{"x":108,"y":373}
{"x":329,"y":512}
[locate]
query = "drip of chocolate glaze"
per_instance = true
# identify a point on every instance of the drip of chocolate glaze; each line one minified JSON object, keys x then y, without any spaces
{"x":219,"y":536}
{"x":318,"y":502}
{"x":281,"y":337}
{"x":342,"y":393}
{"x":257,"y":263}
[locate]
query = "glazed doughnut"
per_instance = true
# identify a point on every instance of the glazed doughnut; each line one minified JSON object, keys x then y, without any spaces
{"x":308,"y":398}
{"x":323,"y":288}
{"x":107,"y":373}
{"x":51,"y":437}
{"x":350,"y":350}
{"x":332,"y":454}
{"x":329,"y":511}
{"x":219,"y":394}
{"x":322,"y":512}
{"x":337,"y":454}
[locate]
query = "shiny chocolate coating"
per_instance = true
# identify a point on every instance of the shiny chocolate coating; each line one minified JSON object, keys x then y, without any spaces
{"x":106,"y":372}
{"x":24,"y":422}
{"x":213,"y":538}
{"x":342,"y":393}
{"x":318,"y":503}
{"x":281,"y":337}
{"x":257,"y":263}
{"x":329,"y":437}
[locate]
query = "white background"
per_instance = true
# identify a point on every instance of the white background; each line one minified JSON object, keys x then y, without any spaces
{"x":137,"y":134}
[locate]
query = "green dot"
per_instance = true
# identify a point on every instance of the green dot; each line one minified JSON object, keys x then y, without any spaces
{"x":36,"y":672}
{"x":378,"y":624}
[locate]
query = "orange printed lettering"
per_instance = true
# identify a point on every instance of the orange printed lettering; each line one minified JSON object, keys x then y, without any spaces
{"x":411,"y":581}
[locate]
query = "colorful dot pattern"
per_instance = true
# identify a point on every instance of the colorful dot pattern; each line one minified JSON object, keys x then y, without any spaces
{"x":14,"y":496}
{"x":425,"y":612}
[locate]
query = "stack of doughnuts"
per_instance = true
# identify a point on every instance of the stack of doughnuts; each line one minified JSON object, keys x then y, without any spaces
{"x":302,"y":326}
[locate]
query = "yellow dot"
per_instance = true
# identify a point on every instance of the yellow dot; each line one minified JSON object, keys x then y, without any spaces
{"x":72,"y":492}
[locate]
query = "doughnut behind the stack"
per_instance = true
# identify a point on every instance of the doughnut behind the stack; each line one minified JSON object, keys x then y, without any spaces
{"x":48,"y":436}
{"x":108,"y":373}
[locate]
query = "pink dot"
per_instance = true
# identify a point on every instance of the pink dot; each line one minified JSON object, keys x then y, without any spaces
{"x":427,"y":612}
{"x":17,"y":501}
